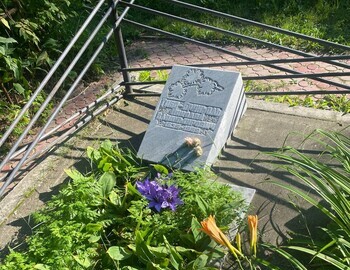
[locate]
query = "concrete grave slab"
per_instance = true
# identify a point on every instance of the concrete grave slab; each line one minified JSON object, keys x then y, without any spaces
{"x":196,"y":103}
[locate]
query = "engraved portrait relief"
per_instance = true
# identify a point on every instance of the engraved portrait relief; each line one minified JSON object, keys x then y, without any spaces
{"x":194,"y":78}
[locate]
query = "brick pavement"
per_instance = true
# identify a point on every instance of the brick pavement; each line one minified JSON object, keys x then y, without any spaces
{"x":166,"y":52}
{"x":158,"y":53}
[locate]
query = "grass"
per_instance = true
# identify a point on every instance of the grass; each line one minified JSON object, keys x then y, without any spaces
{"x":340,"y":103}
{"x":321,"y":19}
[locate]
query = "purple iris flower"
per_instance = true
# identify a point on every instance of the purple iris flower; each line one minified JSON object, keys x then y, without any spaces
{"x":159,"y":196}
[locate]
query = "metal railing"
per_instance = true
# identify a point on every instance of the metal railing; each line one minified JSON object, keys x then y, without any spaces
{"x":115,"y":21}
{"x":291,"y":74}
{"x":15,"y":151}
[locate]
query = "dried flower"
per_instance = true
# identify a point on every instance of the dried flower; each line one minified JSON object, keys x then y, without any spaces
{"x":196,"y":142}
{"x":253,"y":230}
{"x":159,"y":197}
{"x":198,"y":150}
{"x":192,"y":142}
{"x":189,"y":141}
{"x":210,"y":228}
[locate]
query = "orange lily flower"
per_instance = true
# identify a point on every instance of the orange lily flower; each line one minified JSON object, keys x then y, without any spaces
{"x":253,"y":229}
{"x":210,"y":228}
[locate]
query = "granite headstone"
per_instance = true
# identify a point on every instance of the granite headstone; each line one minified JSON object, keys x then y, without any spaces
{"x":196,"y":103}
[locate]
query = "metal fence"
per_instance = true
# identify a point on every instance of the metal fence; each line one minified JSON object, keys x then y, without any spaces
{"x":115,"y":15}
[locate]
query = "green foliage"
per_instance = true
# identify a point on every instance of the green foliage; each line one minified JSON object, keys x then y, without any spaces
{"x":101,"y":221}
{"x":317,"y":18}
{"x":120,"y":161}
{"x":29,"y":40}
{"x":148,"y":76}
{"x":331,"y":183}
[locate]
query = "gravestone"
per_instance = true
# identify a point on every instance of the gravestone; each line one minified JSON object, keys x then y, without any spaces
{"x":196,"y":103}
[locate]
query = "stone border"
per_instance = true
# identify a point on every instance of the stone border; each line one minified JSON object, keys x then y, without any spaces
{"x":305,"y":112}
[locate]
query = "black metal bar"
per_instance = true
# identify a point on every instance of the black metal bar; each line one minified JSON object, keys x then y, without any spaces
{"x":301,"y":92}
{"x":294,"y":76}
{"x":143,"y":83}
{"x":136,"y":94}
{"x":230,"y":33}
{"x":247,"y":78}
{"x":227,"y":51}
{"x":50,"y":73}
{"x":60,"y":105}
{"x":249,"y":63}
{"x":262,"y":25}
{"x":118,"y":36}
{"x":292,"y":93}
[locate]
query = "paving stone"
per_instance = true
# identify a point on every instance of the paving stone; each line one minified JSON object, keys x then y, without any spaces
{"x":60,"y":120}
{"x":313,"y":66}
{"x":303,"y":83}
{"x":332,"y":68}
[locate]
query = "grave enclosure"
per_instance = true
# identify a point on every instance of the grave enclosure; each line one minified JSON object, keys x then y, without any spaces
{"x":196,"y":103}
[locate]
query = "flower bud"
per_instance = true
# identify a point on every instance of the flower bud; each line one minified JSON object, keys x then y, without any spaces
{"x":189,"y":141}
{"x":198,"y":150}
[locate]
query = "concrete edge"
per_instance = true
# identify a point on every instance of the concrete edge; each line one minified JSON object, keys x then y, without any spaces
{"x":22,"y":190}
{"x":326,"y":115}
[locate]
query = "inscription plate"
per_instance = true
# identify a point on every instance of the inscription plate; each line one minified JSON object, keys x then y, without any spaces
{"x":196,"y":103}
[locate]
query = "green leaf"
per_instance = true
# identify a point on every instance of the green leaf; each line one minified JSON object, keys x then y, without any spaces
{"x":142,"y":250}
{"x":94,"y":227}
{"x":200,"y":262}
{"x":107,"y":167}
{"x":114,"y":198}
{"x":107,"y":181}
{"x":85,"y":262}
{"x":153,"y":266}
{"x":175,"y":257}
{"x":118,"y":253}
{"x":43,"y":58}
{"x":12,"y":65}
{"x":129,"y":268}
{"x":161,"y":169}
{"x":2,"y":50}
{"x":195,"y":227}
{"x":265,"y":263}
{"x":41,"y":266}
{"x":5,"y":22}
{"x":93,"y":154}
{"x":203,"y":206}
{"x":74,"y":174}
{"x":7,"y":40}
{"x":20,"y":90}
{"x":131,"y":189}
{"x":107,"y":146}
{"x":296,"y":263}
{"x":94,"y":238}
{"x":336,"y":261}
{"x":159,"y":251}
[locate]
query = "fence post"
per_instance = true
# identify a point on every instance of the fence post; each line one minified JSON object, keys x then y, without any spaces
{"x":121,"y":48}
